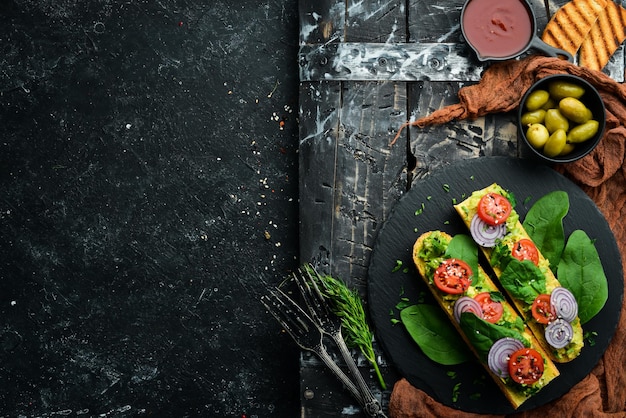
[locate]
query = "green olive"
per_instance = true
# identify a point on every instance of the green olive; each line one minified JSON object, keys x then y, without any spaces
{"x":556,"y":143}
{"x":537,"y":135}
{"x":561,"y":89}
{"x":536,"y":99}
{"x":584,"y":132}
{"x":567,"y":149}
{"x":574,"y":110}
{"x":535,"y":116}
{"x":550,"y":104}
{"x":555,"y":120}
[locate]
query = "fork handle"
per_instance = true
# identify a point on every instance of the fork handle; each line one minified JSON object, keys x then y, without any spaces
{"x":370,"y":403}
{"x":321,"y":352}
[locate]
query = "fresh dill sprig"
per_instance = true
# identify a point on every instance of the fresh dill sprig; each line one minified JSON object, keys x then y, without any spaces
{"x":347,"y":305}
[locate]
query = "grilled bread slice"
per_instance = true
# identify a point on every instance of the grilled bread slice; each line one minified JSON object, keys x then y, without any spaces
{"x":569,"y":26}
{"x":605,"y":36}
{"x":428,"y":251}
{"x":514,"y":233}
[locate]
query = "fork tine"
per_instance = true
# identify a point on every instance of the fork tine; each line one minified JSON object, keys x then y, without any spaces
{"x":288,"y":314}
{"x":313,"y":298}
{"x":305,"y":291}
{"x":291,"y":307}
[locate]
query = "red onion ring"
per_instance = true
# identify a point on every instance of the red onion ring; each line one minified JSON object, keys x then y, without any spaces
{"x":467,"y":304}
{"x":564,"y":304}
{"x":500,"y":354}
{"x":484,"y":234}
{"x":559,"y":333}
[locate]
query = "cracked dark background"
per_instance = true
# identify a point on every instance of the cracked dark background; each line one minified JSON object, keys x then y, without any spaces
{"x":148,"y":170}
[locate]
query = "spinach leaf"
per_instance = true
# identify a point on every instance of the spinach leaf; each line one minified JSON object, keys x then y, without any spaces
{"x":523,"y":280}
{"x":544,"y":224}
{"x":483,"y":334}
{"x":431,"y":329}
{"x":463,"y":247}
{"x":581,"y":272}
{"x":500,"y":256}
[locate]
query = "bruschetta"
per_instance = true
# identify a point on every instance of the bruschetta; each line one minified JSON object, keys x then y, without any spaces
{"x":490,"y":325}
{"x":549,"y":309}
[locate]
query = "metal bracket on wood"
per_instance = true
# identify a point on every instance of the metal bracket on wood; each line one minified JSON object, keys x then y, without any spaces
{"x":338,"y":61}
{"x":384,"y":62}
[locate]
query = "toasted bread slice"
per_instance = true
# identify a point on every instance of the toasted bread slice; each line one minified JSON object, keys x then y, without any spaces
{"x":605,"y":36}
{"x":571,"y":24}
{"x":515,"y":232}
{"x":515,"y":393}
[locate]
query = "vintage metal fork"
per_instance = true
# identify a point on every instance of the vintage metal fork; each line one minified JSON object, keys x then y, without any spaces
{"x":330,"y":324}
{"x":305,"y":333}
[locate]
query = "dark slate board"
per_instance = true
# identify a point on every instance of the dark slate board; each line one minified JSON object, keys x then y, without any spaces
{"x":528,"y":182}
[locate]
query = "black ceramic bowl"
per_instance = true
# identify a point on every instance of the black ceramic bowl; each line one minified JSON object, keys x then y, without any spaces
{"x":591,"y":99}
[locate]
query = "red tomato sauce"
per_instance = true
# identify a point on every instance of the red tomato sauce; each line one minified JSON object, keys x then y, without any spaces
{"x":497,"y":28}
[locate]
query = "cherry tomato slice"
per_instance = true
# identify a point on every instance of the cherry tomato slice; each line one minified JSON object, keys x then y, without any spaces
{"x":453,"y":276}
{"x":525,"y":249}
{"x":494,"y":209}
{"x":542,"y":309}
{"x":526,"y":366}
{"x":492,"y":310}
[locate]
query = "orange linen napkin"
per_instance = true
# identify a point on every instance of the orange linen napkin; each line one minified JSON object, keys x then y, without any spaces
{"x":602,"y":175}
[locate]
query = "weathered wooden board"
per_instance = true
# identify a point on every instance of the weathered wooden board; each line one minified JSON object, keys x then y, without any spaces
{"x":321,"y":21}
{"x":319,"y":125}
{"x":366,"y":66}
{"x":341,"y":133}
{"x":349,"y":175}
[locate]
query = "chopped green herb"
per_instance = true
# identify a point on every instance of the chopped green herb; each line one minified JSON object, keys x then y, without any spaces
{"x":395,"y":321}
{"x":397,"y":267}
{"x":446,"y":222}
{"x":472,"y":177}
{"x":527,"y":200}
{"x":446,"y":187}
{"x":454,"y":200}
{"x":419,"y":212}
{"x":475,"y":396}
{"x":420,"y":297}
{"x":455,"y":392}
{"x":415,"y":230}
{"x":451,"y":374}
{"x":429,"y":197}
{"x":479,"y":381}
{"x":404,"y":302}
{"x":590,"y":337}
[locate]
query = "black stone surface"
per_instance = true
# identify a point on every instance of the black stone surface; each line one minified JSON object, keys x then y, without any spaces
{"x":148,"y":177}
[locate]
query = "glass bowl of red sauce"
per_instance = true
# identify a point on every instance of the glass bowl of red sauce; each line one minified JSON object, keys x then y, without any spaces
{"x":499,"y":30}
